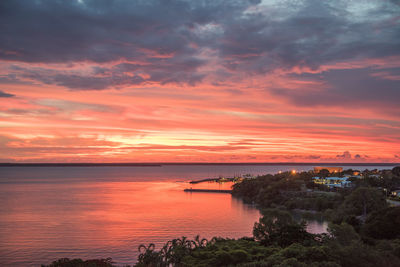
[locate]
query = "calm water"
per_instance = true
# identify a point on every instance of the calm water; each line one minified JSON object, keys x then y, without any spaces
{"x":96,"y":212}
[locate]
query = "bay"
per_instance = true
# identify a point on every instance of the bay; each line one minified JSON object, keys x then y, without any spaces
{"x":48,"y":213}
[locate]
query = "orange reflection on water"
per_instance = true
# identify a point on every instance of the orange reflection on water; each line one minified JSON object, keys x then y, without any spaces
{"x":212,"y":185}
{"x":42,"y":222}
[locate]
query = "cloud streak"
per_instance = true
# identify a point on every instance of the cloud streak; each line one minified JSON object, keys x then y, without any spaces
{"x":4,"y":94}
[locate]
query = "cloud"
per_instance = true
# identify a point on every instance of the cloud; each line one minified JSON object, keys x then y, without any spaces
{"x":219,"y":149}
{"x":314,"y":157}
{"x":159,"y":35}
{"x":277,"y":80}
{"x":355,"y":88}
{"x":187,"y":41}
{"x":345,"y":155}
{"x":64,"y":105}
{"x":4,"y":94}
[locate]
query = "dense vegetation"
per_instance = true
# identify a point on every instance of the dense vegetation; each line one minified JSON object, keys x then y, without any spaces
{"x":281,"y":244}
{"x":363,"y":230}
{"x":65,"y":262}
{"x":280,"y":241}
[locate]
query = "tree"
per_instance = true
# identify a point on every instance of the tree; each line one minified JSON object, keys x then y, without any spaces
{"x":383,"y":224}
{"x":277,"y":227}
{"x":396,"y":171}
{"x":343,"y":233}
{"x":364,"y":200}
{"x":149,"y":257}
{"x":65,"y":262}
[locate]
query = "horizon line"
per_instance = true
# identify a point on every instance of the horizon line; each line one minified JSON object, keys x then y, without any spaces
{"x":154,"y":164}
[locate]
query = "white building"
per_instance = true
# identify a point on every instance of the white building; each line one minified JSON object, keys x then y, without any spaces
{"x":333,"y":182}
{"x":396,"y":193}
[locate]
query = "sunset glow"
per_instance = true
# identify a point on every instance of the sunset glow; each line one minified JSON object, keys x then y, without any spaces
{"x":182,"y":81}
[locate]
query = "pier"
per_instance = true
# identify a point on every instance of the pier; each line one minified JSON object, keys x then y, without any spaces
{"x":208,"y":190}
{"x":217,"y":180}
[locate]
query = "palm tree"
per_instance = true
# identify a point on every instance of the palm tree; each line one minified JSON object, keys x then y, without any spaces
{"x":199,"y":242}
{"x":149,"y":257}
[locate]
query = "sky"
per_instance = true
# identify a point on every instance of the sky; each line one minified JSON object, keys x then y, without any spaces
{"x":199,"y":81}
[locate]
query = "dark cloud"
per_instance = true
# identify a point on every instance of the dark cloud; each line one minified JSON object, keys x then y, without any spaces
{"x":350,"y":88}
{"x":157,"y":34}
{"x":309,"y":34}
{"x":345,"y":155}
{"x":4,"y":94}
{"x":99,"y":31}
{"x":99,"y":78}
{"x":170,"y":41}
{"x":314,"y":157}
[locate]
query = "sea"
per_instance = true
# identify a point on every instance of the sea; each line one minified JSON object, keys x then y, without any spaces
{"x":89,"y":212}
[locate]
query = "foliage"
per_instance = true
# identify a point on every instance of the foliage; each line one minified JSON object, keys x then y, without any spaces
{"x":277,"y":227}
{"x":272,"y":190}
{"x":363,"y":201}
{"x":148,"y":256}
{"x":280,"y":241}
{"x":383,"y":224}
{"x":344,"y":234}
{"x":66,"y":262}
{"x":396,"y":171}
{"x":314,"y":201}
{"x":172,"y":252}
{"x":335,"y":250}
{"x":388,"y":180}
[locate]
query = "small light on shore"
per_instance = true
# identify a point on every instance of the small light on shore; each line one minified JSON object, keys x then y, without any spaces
{"x":293,"y":171}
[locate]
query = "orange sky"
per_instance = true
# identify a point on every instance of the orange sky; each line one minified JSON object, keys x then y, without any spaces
{"x":218,"y":103}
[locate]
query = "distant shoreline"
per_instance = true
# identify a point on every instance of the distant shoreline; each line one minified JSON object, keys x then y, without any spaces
{"x":79,"y":165}
{"x":190,"y":163}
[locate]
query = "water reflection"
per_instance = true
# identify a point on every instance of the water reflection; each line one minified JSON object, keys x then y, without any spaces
{"x":42,"y":222}
{"x":93,"y":212}
{"x":316,"y":224}
{"x":212,"y":185}
{"x":317,"y":227}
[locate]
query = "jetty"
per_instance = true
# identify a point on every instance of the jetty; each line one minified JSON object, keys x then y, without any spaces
{"x":216,"y":180}
{"x":208,"y":190}
{"x":220,"y":180}
{"x":235,"y":179}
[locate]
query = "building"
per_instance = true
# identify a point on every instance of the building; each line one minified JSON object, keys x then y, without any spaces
{"x":333,"y":182}
{"x":396,"y":193}
{"x":330,"y":169}
{"x":353,"y":176}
